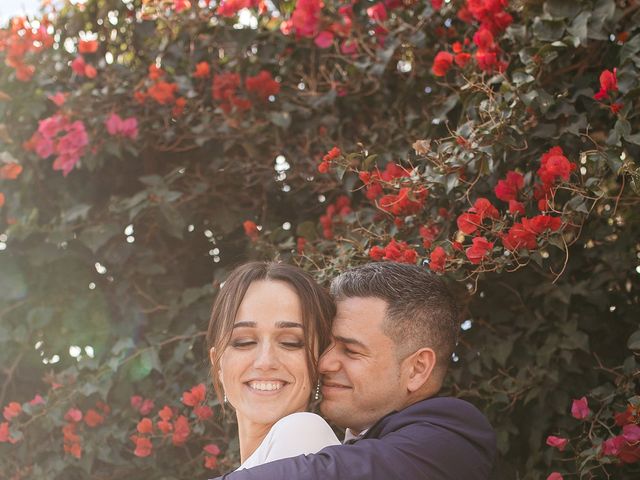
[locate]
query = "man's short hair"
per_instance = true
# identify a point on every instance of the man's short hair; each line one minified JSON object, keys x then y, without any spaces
{"x":421,"y":311}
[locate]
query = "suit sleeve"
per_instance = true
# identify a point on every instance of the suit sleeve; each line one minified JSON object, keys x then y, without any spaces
{"x":417,"y":452}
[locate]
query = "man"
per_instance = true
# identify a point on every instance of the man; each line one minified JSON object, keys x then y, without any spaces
{"x":393,"y":335}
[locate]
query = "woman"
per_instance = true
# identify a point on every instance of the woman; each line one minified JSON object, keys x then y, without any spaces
{"x":269,"y":323}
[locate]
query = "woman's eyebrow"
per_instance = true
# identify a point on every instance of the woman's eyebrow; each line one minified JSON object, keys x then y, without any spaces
{"x":278,"y":325}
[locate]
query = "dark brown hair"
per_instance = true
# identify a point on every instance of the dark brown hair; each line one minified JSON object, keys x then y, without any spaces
{"x":318,"y":310}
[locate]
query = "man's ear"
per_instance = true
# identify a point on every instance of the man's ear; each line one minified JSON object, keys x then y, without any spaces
{"x":420,"y":366}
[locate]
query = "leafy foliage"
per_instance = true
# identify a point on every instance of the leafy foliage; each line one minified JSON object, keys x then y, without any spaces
{"x":149,"y":146}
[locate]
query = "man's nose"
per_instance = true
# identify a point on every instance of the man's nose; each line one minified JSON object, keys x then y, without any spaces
{"x":328,"y":361}
{"x":266,"y":357}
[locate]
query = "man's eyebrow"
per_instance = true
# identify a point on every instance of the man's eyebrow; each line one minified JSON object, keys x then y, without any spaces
{"x":350,"y":341}
{"x":278,"y":325}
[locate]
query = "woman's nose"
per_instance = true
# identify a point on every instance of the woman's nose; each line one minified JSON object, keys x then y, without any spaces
{"x":266,"y":357}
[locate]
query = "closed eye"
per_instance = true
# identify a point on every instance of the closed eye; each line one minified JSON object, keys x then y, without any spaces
{"x":242,"y":344}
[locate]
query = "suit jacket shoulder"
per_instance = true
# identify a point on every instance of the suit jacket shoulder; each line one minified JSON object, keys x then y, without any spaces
{"x":439,"y":438}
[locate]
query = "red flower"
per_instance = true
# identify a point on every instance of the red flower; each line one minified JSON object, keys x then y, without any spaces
{"x":202,"y":70}
{"x":608,"y":83}
{"x":228,"y":8}
{"x":88,"y":46}
{"x":262,"y":85}
{"x":442,"y":63}
{"x":540,"y":223}
{"x":462,"y":59}
{"x":93,"y":418}
{"x":145,"y":425}
{"x":508,"y":188}
{"x":554,"y":476}
{"x":519,"y":237}
{"x":10,"y":171}
{"x":166,"y":413}
{"x":163,"y":92}
{"x":395,"y":251}
{"x":580,"y":408}
{"x":428,"y":234}
{"x":437,"y":259}
{"x":2,"y":199}
{"x":306,"y":17}
{"x":5,"y":434}
{"x":516,"y":207}
{"x":195,"y":396}
{"x":143,"y":446}
{"x":378,"y":12}
{"x":479,"y":250}
{"x":555,"y":166}
{"x":251,"y":230}
{"x":376,"y":253}
{"x":181,"y":430}
{"x":211,"y":460}
{"x":557,"y":442}
{"x":468,"y":223}
{"x":623,"y":418}
{"x":203,"y":412}
{"x":12,"y":410}
{"x":485,"y":209}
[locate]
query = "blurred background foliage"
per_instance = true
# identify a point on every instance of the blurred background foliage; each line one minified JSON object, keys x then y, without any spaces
{"x":109,"y":268}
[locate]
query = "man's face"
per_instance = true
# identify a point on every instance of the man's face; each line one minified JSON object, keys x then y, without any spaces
{"x":361,"y":375}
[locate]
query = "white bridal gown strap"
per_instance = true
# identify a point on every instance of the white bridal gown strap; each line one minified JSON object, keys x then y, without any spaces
{"x":300,"y":433}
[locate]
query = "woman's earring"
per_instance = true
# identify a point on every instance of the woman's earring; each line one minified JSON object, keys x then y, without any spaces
{"x":225,"y":398}
{"x":316,"y":395}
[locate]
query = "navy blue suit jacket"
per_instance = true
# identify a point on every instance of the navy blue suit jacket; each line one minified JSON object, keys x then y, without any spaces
{"x":440,"y":438}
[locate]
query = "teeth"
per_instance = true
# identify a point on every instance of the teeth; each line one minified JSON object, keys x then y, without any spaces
{"x":266,"y":386}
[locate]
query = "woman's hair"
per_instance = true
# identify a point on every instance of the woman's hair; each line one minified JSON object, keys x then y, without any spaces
{"x":318,"y":310}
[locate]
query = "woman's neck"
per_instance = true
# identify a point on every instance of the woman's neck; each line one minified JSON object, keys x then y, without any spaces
{"x":250,"y":435}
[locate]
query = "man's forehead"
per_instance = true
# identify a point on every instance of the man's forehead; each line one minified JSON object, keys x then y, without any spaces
{"x":359,"y":312}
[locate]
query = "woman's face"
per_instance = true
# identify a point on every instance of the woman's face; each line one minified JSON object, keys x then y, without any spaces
{"x":264,"y":368}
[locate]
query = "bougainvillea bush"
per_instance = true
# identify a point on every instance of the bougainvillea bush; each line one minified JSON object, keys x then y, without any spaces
{"x":147,"y":147}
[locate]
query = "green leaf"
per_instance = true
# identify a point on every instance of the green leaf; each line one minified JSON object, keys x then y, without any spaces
{"x":307,"y":230}
{"x":634,"y":341}
{"x":280,"y":119}
{"x":630,"y":48}
{"x":97,"y":236}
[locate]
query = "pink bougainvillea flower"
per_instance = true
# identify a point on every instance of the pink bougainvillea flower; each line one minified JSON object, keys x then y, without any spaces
{"x":73,"y":415}
{"x":36,"y":400}
{"x":554,"y":476}
{"x":580,"y":408}
{"x":228,"y":8}
{"x":631,"y":433}
{"x":557,"y":442}
{"x":324,"y":39}
{"x":305,"y":19}
{"x":377,"y":12}
{"x":127,"y":128}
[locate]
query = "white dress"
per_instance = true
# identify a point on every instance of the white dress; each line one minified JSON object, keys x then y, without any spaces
{"x":300,"y":433}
